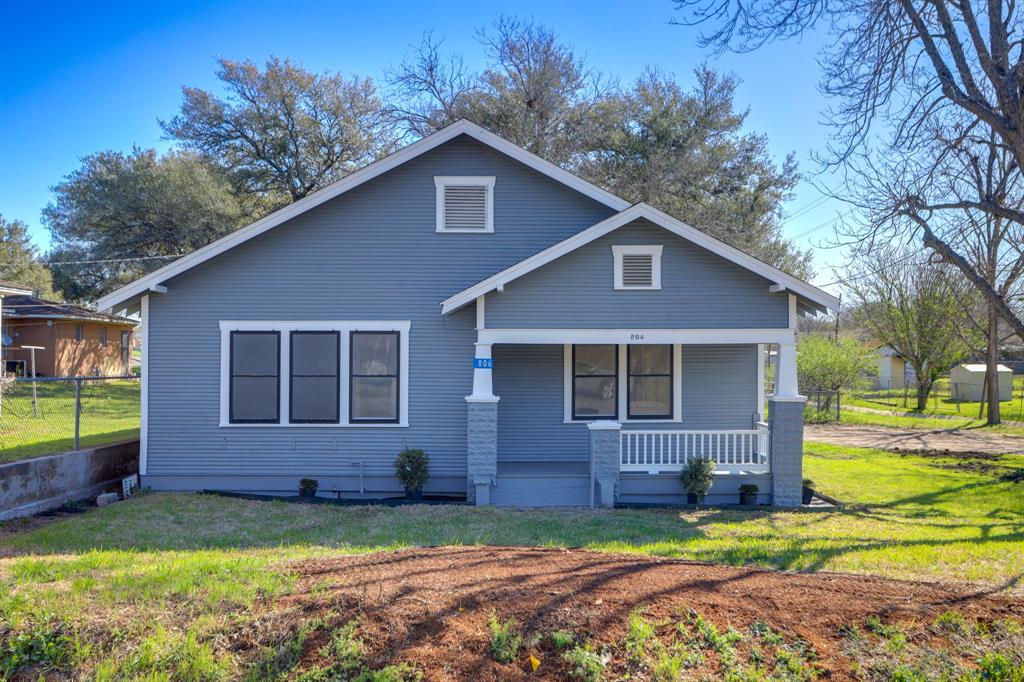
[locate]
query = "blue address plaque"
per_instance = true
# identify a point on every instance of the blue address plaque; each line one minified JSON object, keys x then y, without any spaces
{"x":483,"y":363}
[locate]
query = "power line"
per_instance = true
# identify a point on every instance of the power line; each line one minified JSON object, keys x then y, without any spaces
{"x":874,"y":272}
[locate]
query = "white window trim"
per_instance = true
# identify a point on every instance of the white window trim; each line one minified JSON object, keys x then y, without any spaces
{"x":653,"y":250}
{"x":343,"y":327}
{"x":442,"y":181}
{"x":622,"y":387}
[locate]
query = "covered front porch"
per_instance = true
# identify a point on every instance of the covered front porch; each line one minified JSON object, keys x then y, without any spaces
{"x":531,"y":443}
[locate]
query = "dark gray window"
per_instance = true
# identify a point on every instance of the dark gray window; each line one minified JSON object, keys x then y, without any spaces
{"x":650,"y":382}
{"x":595,"y":382}
{"x":255,"y":377}
{"x":103,"y":336}
{"x":79,"y":333}
{"x":314,"y":377}
{"x":373,"y":386}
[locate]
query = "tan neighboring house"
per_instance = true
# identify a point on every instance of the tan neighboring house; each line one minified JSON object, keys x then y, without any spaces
{"x":8,"y":289}
{"x":75,"y":341}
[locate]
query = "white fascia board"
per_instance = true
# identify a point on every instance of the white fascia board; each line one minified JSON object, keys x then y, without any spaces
{"x":661,"y":219}
{"x":637,"y":336}
{"x":11,"y":291}
{"x":461,"y":127}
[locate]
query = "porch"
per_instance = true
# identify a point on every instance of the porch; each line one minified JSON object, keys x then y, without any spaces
{"x":529,"y":447}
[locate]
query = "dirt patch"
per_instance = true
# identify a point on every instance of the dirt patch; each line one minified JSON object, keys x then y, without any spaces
{"x":884,"y":438}
{"x":430,"y":607}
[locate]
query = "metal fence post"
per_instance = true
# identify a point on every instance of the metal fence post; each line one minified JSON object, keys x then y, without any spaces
{"x":78,"y":411}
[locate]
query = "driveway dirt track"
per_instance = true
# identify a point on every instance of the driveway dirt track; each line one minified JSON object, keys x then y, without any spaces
{"x":884,"y":438}
{"x":430,"y":606}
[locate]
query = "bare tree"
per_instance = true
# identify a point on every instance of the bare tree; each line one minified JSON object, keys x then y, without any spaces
{"x":914,"y":82}
{"x":914,"y":307}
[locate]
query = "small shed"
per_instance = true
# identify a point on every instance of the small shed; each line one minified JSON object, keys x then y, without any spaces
{"x":893,"y":370}
{"x":967,"y":380}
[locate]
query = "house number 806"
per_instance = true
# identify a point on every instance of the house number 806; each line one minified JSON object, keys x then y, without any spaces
{"x":636,"y":337}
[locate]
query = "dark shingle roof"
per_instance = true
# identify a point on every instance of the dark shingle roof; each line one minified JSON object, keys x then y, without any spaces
{"x":30,"y":306}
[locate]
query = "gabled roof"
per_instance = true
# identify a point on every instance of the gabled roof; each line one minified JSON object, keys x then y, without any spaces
{"x":16,"y":307}
{"x":152,"y":281}
{"x":779,"y":280}
{"x":11,"y":289}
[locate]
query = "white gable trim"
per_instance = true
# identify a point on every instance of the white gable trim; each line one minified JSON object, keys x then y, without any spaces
{"x":461,"y":127}
{"x":637,"y":211}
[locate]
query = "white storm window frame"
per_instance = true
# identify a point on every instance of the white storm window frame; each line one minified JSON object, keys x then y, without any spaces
{"x":344,"y":327}
{"x":486,"y":181}
{"x":652,"y":250}
{"x":622,"y":386}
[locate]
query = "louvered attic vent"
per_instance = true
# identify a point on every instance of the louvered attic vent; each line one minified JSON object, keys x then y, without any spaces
{"x":465,"y":204}
{"x":637,"y":267}
{"x":637,"y":270}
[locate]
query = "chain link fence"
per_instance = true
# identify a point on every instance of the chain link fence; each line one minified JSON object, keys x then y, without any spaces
{"x":45,"y":415}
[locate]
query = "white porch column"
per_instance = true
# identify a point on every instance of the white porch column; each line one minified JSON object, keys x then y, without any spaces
{"x":785,"y":373}
{"x":483,"y":363}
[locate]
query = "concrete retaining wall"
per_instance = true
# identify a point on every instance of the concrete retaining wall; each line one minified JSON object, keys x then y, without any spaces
{"x":36,"y":485}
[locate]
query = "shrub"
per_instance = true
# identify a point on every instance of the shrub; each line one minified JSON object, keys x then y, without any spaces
{"x":308,"y":486}
{"x":505,"y":640}
{"x":562,"y":639}
{"x":698,"y":475}
{"x":411,"y":468}
{"x":748,"y":488}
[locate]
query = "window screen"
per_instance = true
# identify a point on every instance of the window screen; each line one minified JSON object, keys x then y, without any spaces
{"x":650,"y":382}
{"x":314,"y":377}
{"x":255,"y":377}
{"x":594,"y":382}
{"x":374,"y":377}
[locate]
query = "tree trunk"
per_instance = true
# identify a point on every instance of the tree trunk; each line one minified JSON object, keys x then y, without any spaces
{"x":924,"y":387}
{"x":992,"y":366}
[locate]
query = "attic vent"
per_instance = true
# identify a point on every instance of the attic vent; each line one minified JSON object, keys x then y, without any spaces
{"x":637,"y":270}
{"x":637,"y":267}
{"x":465,"y":204}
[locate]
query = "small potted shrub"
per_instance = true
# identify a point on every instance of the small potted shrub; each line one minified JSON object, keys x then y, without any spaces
{"x":697,"y":477}
{"x":411,"y":470}
{"x":808,"y":491}
{"x":307,"y":487}
{"x":748,"y":494}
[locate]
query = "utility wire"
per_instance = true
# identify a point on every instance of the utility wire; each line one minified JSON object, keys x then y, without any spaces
{"x":109,"y":260}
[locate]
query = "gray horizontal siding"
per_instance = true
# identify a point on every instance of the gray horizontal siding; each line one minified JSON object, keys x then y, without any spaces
{"x":719,"y":391}
{"x":699,"y":289}
{"x":372,"y":253}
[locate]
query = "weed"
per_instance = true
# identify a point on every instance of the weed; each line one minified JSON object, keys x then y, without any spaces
{"x":46,"y":644}
{"x":585,"y":664}
{"x":639,"y":633}
{"x":763,"y":630}
{"x":280,"y":659}
{"x":562,"y":639}
{"x":168,"y":656}
{"x":875,"y":626}
{"x":505,"y":640}
{"x":994,"y":667}
{"x":345,"y":647}
{"x":951,"y":621}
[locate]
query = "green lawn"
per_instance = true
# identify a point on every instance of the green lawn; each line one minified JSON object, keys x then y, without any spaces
{"x":940,"y":401}
{"x":172,"y":572}
{"x":110,"y":413}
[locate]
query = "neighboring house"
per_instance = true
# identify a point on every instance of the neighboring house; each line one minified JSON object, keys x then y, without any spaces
{"x":967,"y":381}
{"x":7,"y":289}
{"x":71,"y":340}
{"x":541,"y":339}
{"x":893,"y":370}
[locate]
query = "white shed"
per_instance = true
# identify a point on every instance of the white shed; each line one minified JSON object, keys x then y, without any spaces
{"x":966,"y":382}
{"x":893,"y":370}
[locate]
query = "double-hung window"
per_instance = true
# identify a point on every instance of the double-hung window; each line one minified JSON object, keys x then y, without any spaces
{"x":315,"y":377}
{"x":373,"y":384}
{"x":595,"y":382}
{"x":255,"y":377}
{"x":314,"y":373}
{"x":649,"y":382}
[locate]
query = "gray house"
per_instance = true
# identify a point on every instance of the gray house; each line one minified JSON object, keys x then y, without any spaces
{"x":544,"y":341}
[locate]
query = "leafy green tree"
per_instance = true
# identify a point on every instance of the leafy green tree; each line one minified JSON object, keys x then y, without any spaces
{"x":917,"y":308}
{"x":685,"y":153}
{"x":823,"y":364}
{"x":284,"y":131}
{"x":19,"y":258}
{"x":121,"y":215}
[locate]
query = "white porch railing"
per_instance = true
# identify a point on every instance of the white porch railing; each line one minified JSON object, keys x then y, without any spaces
{"x":731,"y":450}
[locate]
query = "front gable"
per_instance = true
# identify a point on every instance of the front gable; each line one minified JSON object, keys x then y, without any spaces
{"x":697,"y":289}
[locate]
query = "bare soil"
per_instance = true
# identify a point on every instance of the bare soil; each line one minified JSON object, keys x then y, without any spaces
{"x":430,"y":607}
{"x":885,"y":438}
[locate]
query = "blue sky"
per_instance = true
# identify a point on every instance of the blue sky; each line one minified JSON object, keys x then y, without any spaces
{"x":90,"y":77}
